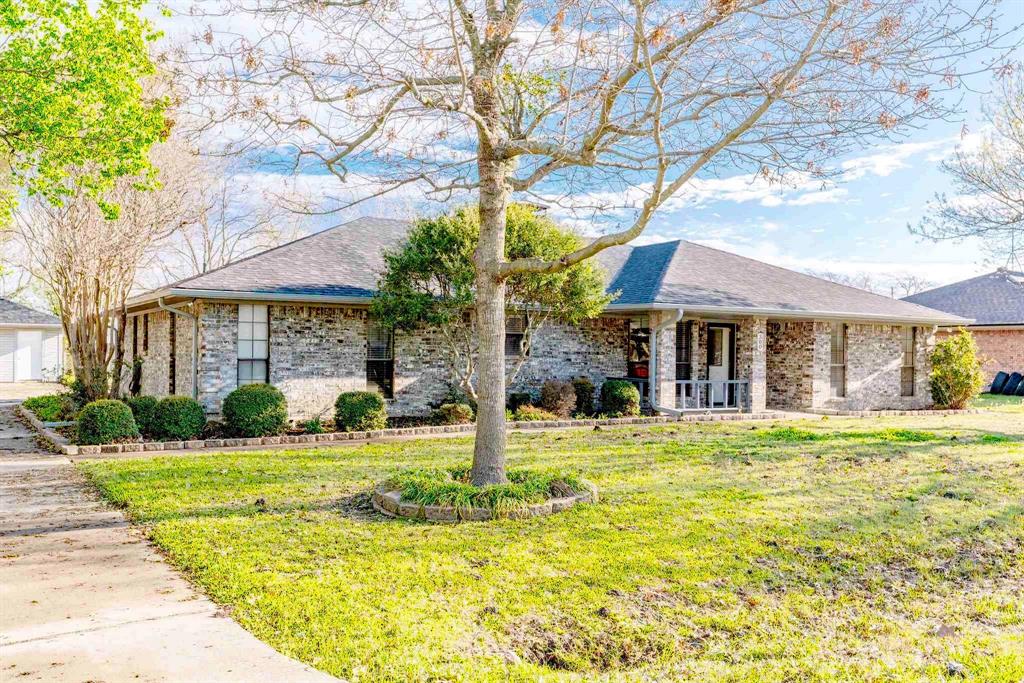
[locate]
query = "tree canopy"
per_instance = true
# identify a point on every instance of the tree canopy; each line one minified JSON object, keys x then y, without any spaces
{"x":72,"y":106}
{"x":989,"y":183}
{"x":430,"y":280}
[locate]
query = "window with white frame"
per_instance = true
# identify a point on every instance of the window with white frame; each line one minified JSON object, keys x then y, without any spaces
{"x":907,"y":369}
{"x":253,"y":344}
{"x":837,"y":375}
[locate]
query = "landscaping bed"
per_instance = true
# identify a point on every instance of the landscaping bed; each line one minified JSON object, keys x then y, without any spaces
{"x":445,"y":495}
{"x":877,"y":549}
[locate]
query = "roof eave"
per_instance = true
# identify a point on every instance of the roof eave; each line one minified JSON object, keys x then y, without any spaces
{"x":189,"y":293}
{"x":945,"y":321}
{"x":48,"y":326}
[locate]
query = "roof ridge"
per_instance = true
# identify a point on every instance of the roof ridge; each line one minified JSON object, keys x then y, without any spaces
{"x":806,"y":275}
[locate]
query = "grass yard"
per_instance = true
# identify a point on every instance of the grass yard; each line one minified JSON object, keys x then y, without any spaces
{"x":828,"y":550}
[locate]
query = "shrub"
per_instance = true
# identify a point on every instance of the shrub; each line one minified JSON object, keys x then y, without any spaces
{"x":143,"y":408}
{"x":255,"y":410}
{"x":619,"y":397}
{"x":214,"y":429}
{"x":558,"y":397}
{"x":532,"y":414}
{"x":106,"y":421}
{"x":314,"y":425}
{"x":956,"y":376}
{"x":360,"y":411}
{"x":51,"y":408}
{"x":178,"y":418}
{"x":453,"y":414}
{"x":456,"y":395}
{"x":584,"y":395}
{"x":517,"y":399}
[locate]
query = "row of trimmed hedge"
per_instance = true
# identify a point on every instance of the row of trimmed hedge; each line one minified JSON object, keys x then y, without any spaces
{"x":561,"y":400}
{"x":249,"y":411}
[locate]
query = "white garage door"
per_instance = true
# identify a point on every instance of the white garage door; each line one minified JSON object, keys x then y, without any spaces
{"x":7,"y":344}
{"x":28,"y":356}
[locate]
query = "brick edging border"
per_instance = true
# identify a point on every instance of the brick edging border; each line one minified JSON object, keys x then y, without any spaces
{"x":389,"y":502}
{"x":62,"y":445}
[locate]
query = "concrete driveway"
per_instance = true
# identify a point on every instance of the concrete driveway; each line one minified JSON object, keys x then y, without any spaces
{"x":19,"y":391}
{"x":85,"y":597}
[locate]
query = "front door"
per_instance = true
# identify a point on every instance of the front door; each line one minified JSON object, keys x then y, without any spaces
{"x":720,"y":365}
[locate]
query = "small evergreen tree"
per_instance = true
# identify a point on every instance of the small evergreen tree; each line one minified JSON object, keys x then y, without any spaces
{"x":956,"y":376}
{"x":430,"y":280}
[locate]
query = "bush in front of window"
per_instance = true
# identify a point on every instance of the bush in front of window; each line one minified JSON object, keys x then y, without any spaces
{"x":584,"y":389}
{"x":255,"y":410}
{"x":956,"y":376}
{"x":106,"y":421}
{"x":360,"y":411}
{"x":619,"y":397}
{"x":558,"y":397}
{"x":178,"y":418}
{"x":453,"y":414}
{"x":517,"y":399}
{"x":143,"y":408}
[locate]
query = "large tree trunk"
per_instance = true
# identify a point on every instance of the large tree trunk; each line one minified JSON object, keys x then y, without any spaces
{"x":489,"y":449}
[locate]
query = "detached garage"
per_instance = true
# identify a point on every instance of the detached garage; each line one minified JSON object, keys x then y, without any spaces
{"x":31,"y":344}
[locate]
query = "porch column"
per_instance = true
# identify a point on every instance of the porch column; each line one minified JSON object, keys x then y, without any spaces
{"x":751,"y":355}
{"x":666,"y":370}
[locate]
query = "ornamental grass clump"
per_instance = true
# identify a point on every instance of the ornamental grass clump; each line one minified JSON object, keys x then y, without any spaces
{"x":451,"y":488}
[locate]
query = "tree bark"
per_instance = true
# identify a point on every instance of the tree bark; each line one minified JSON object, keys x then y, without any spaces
{"x":489,"y":448}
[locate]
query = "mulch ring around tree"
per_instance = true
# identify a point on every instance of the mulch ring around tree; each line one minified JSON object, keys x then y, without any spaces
{"x":447,"y":495}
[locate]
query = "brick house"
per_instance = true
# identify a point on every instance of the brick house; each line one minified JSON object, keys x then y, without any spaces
{"x":695,"y":328}
{"x":995,"y":302}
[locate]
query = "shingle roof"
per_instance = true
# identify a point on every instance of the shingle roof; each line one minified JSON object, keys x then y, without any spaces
{"x":12,"y":313}
{"x":993,"y":299}
{"x":344,"y":262}
{"x":700,"y":278}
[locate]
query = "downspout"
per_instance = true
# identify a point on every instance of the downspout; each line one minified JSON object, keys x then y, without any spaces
{"x":195,"y":340}
{"x":652,"y":392}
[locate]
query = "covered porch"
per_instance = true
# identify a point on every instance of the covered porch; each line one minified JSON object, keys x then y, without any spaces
{"x":684,"y":362}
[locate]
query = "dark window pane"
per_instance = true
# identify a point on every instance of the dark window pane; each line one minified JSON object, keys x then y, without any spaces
{"x":380,"y":376}
{"x":515,"y":329}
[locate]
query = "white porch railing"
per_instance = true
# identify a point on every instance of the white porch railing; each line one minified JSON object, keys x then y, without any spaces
{"x":700,"y":394}
{"x":703,"y":394}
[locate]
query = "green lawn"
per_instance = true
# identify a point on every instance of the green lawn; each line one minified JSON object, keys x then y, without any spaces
{"x":829,"y":550}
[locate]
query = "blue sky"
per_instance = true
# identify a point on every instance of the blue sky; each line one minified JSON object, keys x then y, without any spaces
{"x":857,"y":225}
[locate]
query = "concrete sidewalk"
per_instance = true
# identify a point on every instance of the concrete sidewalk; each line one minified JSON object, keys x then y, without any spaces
{"x":83,"y":597}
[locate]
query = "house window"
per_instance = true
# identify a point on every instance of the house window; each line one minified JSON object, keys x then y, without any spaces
{"x":515,"y":332}
{"x":907,"y":370}
{"x":380,"y":360}
{"x":837,"y":375}
{"x":145,"y":332}
{"x":172,"y":360}
{"x":638,"y":347}
{"x":253,"y":344}
{"x":684,"y":363}
{"x":135,"y":337}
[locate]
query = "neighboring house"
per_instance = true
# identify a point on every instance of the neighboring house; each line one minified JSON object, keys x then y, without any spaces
{"x":31,"y":344}
{"x":703,"y":328}
{"x":995,"y":302}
